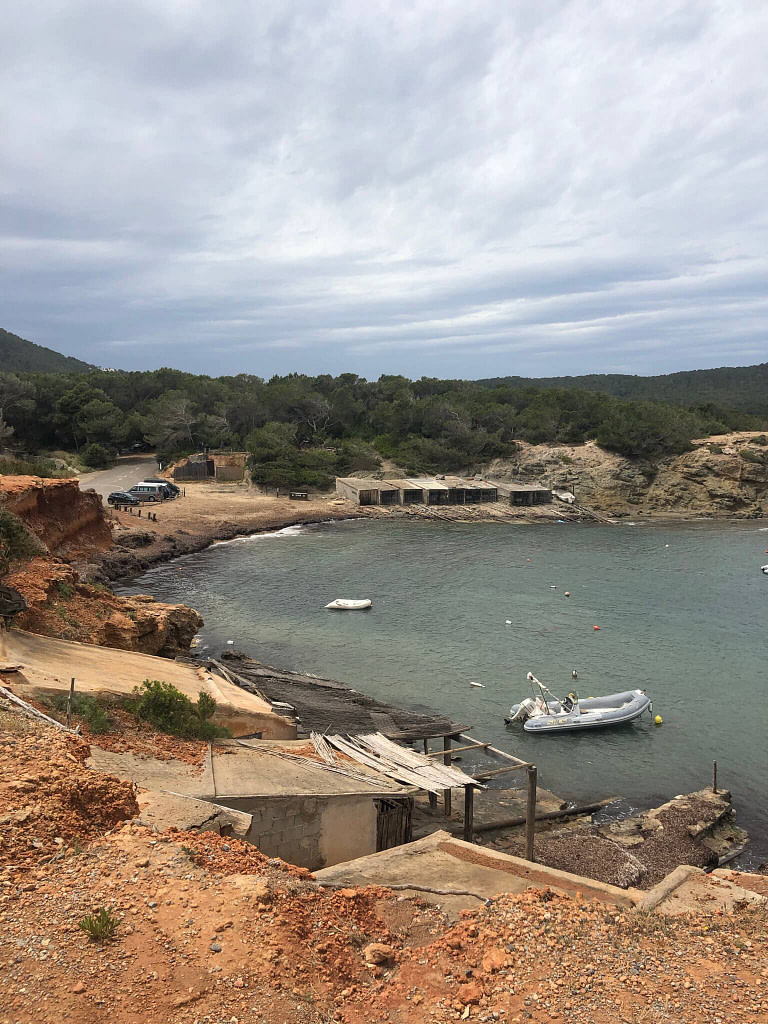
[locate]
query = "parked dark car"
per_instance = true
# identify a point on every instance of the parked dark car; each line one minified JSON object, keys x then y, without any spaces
{"x":123,"y":498}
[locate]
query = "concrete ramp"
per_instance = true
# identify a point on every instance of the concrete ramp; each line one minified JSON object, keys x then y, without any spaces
{"x":48,"y":664}
{"x":441,"y":862}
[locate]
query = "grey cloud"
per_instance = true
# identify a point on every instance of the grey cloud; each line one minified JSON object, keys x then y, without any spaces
{"x":569,"y":186}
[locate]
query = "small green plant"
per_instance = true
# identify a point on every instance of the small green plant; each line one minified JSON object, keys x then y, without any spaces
{"x":99,"y":927}
{"x":761,"y":439}
{"x":716,"y":449}
{"x":566,"y":460}
{"x":169,"y":710}
{"x":65,"y":590}
{"x":84,"y":707}
{"x":16,"y":541}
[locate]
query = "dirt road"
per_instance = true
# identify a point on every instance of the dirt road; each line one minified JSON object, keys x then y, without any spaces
{"x":128,"y":471}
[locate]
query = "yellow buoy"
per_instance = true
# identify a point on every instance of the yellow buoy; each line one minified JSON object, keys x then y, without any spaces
{"x":658,"y":720}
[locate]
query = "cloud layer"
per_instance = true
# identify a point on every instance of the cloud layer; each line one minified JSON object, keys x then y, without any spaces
{"x":433,"y":188}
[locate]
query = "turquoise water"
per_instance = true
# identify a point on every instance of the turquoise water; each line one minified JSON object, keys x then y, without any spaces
{"x":682,"y":611}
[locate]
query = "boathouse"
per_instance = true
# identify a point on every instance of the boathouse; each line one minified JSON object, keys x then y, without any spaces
{"x":468,"y":492}
{"x":434,"y":492}
{"x":524,"y":494}
{"x":364,"y":491}
{"x":409,"y":493}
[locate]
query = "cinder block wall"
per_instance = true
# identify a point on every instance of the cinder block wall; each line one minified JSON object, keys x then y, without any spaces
{"x":310,"y":831}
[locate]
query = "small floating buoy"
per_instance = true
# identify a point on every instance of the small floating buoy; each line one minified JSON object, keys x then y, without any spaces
{"x":575,"y":674}
{"x":552,"y":586}
{"x":508,"y":622}
{"x":481,"y":685}
{"x":230,"y":641}
{"x":567,"y":593}
{"x":595,"y":627}
{"x":657,"y":720}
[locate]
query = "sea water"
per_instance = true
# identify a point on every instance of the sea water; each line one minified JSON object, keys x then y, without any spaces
{"x":682,"y":610}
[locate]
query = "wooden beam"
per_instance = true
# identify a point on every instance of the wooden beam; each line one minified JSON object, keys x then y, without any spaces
{"x":481,"y":776}
{"x":455,"y":750}
{"x":494,"y":750}
{"x":447,"y":760}
{"x":530,"y":814}
{"x":469,"y":797}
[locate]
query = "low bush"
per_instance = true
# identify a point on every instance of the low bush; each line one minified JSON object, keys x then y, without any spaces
{"x":96,"y":456}
{"x":761,"y":440}
{"x":47,"y":468}
{"x":86,"y":708}
{"x":169,"y":710}
{"x":65,"y":590}
{"x":749,"y":456}
{"x":16,"y":541}
{"x":716,"y":449}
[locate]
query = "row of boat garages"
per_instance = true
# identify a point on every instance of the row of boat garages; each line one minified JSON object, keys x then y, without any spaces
{"x":439,"y":490}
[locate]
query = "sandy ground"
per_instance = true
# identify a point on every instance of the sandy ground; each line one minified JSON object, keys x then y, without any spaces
{"x":207,"y":929}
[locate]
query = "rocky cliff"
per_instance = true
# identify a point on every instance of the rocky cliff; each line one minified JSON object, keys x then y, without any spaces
{"x":66,"y":520}
{"x":720,"y":476}
{"x":71,"y":525}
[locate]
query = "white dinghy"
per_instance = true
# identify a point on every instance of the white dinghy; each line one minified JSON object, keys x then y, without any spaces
{"x":343,"y":605}
{"x":546,"y":713}
{"x":764,"y":568}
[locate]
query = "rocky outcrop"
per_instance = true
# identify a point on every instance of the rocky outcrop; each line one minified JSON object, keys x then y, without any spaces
{"x":720,"y":476}
{"x":66,"y":520}
{"x":70,"y":526}
{"x":60,"y":606}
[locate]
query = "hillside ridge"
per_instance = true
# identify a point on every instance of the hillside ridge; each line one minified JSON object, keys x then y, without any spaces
{"x":18,"y":355}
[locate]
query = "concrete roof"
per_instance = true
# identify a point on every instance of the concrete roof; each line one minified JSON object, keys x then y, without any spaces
{"x":521,"y":487}
{"x":362,"y":483}
{"x":404,"y":485}
{"x":235,"y":771}
{"x":427,"y":483}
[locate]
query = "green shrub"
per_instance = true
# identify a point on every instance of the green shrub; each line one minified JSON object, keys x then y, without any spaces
{"x":87,"y":708}
{"x":169,"y":710}
{"x":96,"y":456}
{"x":16,"y":541}
{"x":749,"y":456}
{"x":99,"y":927}
{"x":761,"y":440}
{"x":65,"y":590}
{"x":32,"y":467}
{"x":716,"y":449}
{"x":566,"y":460}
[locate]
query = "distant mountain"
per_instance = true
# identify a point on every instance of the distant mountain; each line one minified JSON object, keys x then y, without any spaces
{"x":18,"y":355}
{"x":730,"y":387}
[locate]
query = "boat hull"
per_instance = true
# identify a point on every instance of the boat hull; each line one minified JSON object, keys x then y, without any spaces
{"x":342,"y":605}
{"x":591,"y":713}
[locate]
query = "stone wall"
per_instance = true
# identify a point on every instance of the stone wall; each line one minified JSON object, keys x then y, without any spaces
{"x":310,"y":831}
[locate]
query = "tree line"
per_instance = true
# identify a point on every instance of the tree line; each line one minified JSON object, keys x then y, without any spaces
{"x":304,"y":430}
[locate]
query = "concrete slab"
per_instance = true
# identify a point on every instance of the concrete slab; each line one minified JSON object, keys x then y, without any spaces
{"x":440,"y":861}
{"x":49,"y":664}
{"x":173,"y":810}
{"x":236,"y":772}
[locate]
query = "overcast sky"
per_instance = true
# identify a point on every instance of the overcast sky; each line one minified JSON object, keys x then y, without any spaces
{"x":419,"y":186}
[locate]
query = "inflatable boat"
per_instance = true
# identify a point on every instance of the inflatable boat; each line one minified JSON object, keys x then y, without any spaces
{"x":764,"y":568}
{"x":546,"y":713}
{"x":342,"y":605}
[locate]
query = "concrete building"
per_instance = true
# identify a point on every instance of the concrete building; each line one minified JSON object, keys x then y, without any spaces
{"x":434,"y":492}
{"x":361,"y":490}
{"x":468,"y":492}
{"x":409,"y":493}
{"x":524,"y":494}
{"x":303,"y":813}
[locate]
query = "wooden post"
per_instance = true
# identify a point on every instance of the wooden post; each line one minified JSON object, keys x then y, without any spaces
{"x":447,"y":759}
{"x":469,"y":810}
{"x":714,"y":776}
{"x":530,"y":814}
{"x":432,"y":796}
{"x":69,"y":702}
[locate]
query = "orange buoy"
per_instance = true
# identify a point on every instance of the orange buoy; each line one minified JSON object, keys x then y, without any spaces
{"x":595,"y":627}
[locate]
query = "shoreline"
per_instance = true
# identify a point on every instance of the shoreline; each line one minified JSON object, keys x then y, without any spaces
{"x":139,"y":545}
